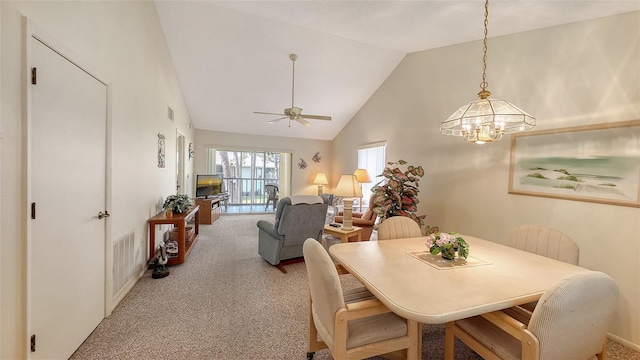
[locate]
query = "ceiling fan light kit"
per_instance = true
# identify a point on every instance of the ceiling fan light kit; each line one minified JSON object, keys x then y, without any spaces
{"x":294,"y":113}
{"x":486,"y":120}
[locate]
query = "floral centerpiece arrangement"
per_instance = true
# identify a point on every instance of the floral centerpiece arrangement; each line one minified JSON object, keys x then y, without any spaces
{"x":447,"y":244}
{"x":177,"y":203}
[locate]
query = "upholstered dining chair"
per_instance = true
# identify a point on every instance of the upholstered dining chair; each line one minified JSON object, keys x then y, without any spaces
{"x":570,"y":322}
{"x":545,"y":241}
{"x":398,"y":227}
{"x":352,"y":324}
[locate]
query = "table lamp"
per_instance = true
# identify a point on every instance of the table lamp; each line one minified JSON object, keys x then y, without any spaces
{"x":321,"y":179}
{"x":363,"y":177}
{"x":348,"y":187}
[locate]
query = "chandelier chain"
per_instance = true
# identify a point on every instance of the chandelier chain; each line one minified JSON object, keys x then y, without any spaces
{"x":486,"y":120}
{"x":484,"y":83}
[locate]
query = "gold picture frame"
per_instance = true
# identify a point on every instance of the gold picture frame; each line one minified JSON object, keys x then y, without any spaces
{"x":594,"y":163}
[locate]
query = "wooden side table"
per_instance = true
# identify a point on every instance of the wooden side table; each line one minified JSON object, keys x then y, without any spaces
{"x":179,"y":221}
{"x":344,"y":235}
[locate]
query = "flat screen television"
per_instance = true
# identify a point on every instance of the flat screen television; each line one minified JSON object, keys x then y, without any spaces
{"x":208,"y":185}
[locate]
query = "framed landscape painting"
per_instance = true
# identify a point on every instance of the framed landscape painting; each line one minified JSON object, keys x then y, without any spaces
{"x":595,"y":163}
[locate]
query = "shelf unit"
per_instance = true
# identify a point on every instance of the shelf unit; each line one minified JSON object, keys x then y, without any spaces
{"x":209,"y":217}
{"x":180,"y":221}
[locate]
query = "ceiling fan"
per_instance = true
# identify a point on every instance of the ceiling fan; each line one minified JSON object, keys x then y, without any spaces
{"x":294,"y":113}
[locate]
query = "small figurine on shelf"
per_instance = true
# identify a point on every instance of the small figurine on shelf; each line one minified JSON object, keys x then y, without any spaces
{"x":161,"y":270}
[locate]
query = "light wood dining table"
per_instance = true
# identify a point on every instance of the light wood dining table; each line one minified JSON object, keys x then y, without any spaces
{"x":494,"y":277}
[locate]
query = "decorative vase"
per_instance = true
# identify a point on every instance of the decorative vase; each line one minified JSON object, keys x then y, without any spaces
{"x":169,"y":213}
{"x":449,"y":254}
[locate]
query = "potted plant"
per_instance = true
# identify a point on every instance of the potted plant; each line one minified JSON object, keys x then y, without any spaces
{"x":397,"y":193}
{"x":447,"y":244}
{"x":176,"y":204}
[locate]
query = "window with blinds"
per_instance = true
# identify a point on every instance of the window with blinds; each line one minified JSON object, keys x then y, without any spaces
{"x":371,"y":157}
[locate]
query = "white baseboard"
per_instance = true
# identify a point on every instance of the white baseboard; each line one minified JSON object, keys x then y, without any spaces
{"x":125,"y":290}
{"x":624,"y":342}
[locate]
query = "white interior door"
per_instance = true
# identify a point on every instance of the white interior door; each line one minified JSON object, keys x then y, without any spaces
{"x":68,"y":152}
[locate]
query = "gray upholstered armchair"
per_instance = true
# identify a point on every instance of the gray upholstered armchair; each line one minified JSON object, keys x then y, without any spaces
{"x":297,"y":218}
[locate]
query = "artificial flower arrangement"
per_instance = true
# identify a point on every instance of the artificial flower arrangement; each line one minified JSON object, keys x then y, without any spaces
{"x":177,"y":203}
{"x":397,"y":193}
{"x":447,"y":244}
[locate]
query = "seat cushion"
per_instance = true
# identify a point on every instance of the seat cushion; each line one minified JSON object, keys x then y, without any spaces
{"x":502,"y":344}
{"x":375,"y":328}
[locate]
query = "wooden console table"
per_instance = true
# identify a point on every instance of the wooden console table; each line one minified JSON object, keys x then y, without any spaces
{"x":179,"y":221}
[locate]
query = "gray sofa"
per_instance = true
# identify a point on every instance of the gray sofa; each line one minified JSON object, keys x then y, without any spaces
{"x":297,"y":219}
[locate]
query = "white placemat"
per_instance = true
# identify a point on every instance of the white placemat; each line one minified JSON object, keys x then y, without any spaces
{"x":443,"y":264}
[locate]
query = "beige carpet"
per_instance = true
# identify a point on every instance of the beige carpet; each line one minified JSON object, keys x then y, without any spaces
{"x":226,"y":302}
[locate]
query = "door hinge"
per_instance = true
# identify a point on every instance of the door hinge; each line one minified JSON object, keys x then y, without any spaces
{"x":33,"y":75}
{"x":33,"y":343}
{"x":33,"y":210}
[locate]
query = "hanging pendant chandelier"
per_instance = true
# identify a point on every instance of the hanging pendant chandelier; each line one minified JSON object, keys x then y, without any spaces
{"x":486,"y":120}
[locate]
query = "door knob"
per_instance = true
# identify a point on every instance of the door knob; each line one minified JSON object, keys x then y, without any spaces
{"x":102,"y":215}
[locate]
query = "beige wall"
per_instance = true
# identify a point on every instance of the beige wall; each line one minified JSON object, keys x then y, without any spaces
{"x":301,"y":179}
{"x":577,"y":74}
{"x":123,"y":42}
{"x":571,"y":75}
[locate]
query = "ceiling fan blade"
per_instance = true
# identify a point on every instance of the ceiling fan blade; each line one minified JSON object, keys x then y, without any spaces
{"x":303,"y":121}
{"x":276,"y":120}
{"x":316,"y":117}
{"x":294,"y":112}
{"x":267,"y":113}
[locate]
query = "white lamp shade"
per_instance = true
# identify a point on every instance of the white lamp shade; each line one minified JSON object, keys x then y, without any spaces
{"x":348,"y":186}
{"x":362,"y":176}
{"x":321,"y":179}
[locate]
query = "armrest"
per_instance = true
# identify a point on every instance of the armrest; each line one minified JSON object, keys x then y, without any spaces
{"x":361,"y":309}
{"x":268,"y":227}
{"x":363,"y":223}
{"x":519,"y":313}
{"x":341,"y":270}
{"x":505,"y":322}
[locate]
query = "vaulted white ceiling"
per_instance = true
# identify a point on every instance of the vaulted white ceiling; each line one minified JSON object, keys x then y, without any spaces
{"x":232,"y":57}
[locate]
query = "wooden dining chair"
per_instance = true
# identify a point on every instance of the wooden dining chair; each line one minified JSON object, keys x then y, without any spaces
{"x":570,"y":322}
{"x":352,"y":324}
{"x":398,"y":227}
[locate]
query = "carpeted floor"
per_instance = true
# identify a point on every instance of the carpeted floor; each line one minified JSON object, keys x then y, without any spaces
{"x":226,"y":302}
